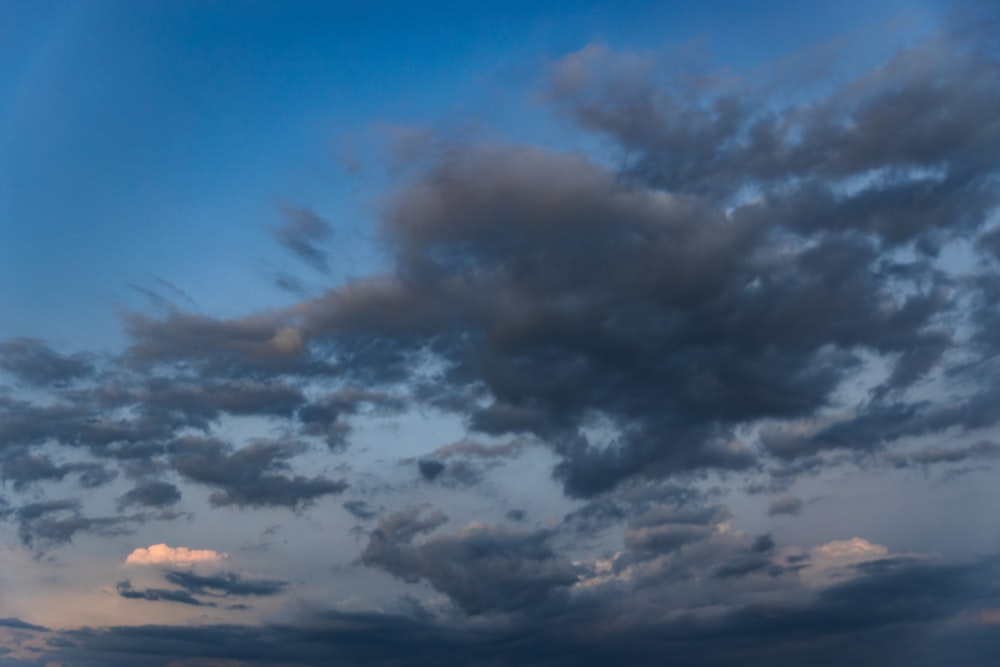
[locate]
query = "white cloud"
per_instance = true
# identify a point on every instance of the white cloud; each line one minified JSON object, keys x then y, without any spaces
{"x":161,"y":553}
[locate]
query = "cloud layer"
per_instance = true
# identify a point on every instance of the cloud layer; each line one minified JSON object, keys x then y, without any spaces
{"x":748,"y":289}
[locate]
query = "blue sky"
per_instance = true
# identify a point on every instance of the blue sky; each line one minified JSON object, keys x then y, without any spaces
{"x":498,"y":333}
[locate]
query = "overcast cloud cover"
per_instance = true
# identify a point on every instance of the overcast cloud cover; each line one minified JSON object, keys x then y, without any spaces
{"x":501,"y":336}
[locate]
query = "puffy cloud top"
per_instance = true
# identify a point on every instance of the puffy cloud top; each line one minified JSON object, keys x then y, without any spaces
{"x":162,"y":554}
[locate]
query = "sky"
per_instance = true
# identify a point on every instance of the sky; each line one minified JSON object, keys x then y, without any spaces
{"x":499,"y":333}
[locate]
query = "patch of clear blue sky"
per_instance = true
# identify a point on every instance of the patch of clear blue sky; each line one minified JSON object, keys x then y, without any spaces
{"x":161,"y":138}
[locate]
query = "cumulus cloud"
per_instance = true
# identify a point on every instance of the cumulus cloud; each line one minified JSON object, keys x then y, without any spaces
{"x":34,"y":363}
{"x":161,"y":554}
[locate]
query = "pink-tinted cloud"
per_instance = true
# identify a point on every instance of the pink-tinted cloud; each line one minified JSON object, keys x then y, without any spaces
{"x":833,"y":561}
{"x":161,"y":553}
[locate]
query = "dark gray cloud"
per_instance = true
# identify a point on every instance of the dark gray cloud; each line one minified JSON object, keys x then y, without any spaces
{"x":482,"y":568}
{"x":302,"y":234}
{"x":465,"y":462}
{"x":253,"y":476}
{"x":879,"y":424}
{"x":51,"y":523}
{"x":192,"y":588}
{"x":787,"y":505}
{"x":151,"y":493}
{"x":430,"y":469}
{"x":88,"y":419}
{"x":632,"y":499}
{"x":698,"y":320}
{"x":34,"y":363}
{"x":18,"y":624}
{"x":664,"y":529}
{"x":360,"y":509}
{"x":990,"y":241}
{"x":204,"y":401}
{"x":904,"y":612}
{"x":929,"y":107}
{"x":984,"y":449}
{"x":326,"y":417}
{"x":248,"y":347}
{"x":225,"y":584}
{"x":23,"y":468}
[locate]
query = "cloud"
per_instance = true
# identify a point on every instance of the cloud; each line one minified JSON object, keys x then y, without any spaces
{"x":430,"y":469}
{"x":984,"y":449}
{"x":235,"y":348}
{"x":787,"y":505}
{"x":153,"y":493}
{"x":301,"y":234}
{"x":125,"y":590}
{"x":18,"y":624}
{"x":23,"y":468}
{"x":252,"y":476}
{"x":839,"y":560}
{"x":663,"y":529}
{"x":47,"y":524}
{"x":465,"y":462}
{"x":904,"y":612}
{"x":360,"y":509}
{"x":853,"y":548}
{"x":668,"y":345}
{"x":224,"y":584}
{"x":161,"y":554}
{"x":714,"y":314}
{"x":34,"y":363}
{"x":481,"y":568}
{"x":326,"y":416}
{"x":760,"y":280}
{"x":192,"y":587}
{"x":156,"y":297}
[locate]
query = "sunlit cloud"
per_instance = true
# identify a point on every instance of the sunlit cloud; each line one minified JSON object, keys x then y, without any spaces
{"x":855,"y":550}
{"x":162,"y":554}
{"x":833,"y":561}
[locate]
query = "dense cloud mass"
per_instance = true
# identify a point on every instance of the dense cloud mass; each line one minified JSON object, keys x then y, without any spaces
{"x":884,"y":612}
{"x":748,"y":287}
{"x":482,"y":568}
